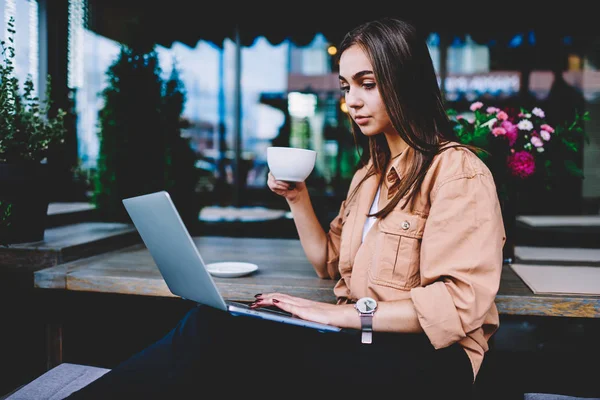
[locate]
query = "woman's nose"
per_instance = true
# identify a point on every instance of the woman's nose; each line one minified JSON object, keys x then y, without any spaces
{"x":352,"y":100}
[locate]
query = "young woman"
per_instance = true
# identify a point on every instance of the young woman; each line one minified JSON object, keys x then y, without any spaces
{"x":416,"y":250}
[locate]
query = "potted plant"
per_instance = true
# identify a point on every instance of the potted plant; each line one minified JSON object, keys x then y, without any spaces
{"x":524,"y":152}
{"x":27,"y":132}
{"x":142,"y":149}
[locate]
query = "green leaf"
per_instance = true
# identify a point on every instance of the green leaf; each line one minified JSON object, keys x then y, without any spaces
{"x":27,"y":131}
{"x":570,"y":145}
{"x":573,"y":169}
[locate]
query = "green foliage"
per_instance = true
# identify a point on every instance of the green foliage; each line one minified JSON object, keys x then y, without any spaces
{"x":507,"y":133}
{"x":5,"y":211}
{"x":26,"y":129}
{"x":531,"y":160}
{"x":141,"y":149}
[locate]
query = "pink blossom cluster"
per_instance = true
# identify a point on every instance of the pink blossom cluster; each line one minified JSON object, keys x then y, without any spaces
{"x":521,"y":164}
{"x":526,"y":130}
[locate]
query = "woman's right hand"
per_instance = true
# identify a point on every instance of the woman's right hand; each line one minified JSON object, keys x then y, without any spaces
{"x":289,"y":190}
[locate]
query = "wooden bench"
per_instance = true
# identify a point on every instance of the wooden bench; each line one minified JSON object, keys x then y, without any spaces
{"x":549,"y":396}
{"x":57,"y":383}
{"x":64,"y":379}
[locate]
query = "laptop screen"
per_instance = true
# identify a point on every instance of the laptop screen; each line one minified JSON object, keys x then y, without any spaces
{"x":172,"y":248}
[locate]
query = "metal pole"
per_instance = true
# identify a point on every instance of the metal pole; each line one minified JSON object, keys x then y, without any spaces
{"x":222,"y":144}
{"x":444,"y":44}
{"x":237,"y":125}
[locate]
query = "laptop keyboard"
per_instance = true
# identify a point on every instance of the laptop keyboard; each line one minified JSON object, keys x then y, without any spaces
{"x":269,"y":309}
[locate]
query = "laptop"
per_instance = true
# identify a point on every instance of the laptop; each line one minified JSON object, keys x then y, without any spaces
{"x":179,"y":261}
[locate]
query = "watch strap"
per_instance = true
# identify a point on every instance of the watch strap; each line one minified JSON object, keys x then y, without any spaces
{"x":366,"y":322}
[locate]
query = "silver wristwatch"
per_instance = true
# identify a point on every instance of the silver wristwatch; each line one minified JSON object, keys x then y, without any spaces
{"x":366,"y":307}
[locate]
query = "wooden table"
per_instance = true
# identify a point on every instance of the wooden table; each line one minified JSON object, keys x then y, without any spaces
{"x":66,"y":243}
{"x":283,"y":267}
{"x":131,"y":270}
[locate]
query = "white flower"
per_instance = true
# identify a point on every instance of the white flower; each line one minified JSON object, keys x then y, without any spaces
{"x":490,"y":123}
{"x":540,"y":149}
{"x":525,"y":125}
{"x":539,"y":112}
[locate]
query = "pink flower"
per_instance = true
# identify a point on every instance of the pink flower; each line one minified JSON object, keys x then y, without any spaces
{"x":536,"y":141}
{"x":499,"y":131}
{"x":476,"y":106}
{"x":545,"y":135}
{"x":492,"y":110}
{"x":511,"y":132}
{"x":502,"y":116}
{"x":547,"y":128}
{"x":521,"y":164}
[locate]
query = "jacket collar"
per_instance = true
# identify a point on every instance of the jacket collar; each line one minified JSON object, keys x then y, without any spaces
{"x":365,"y":198}
{"x":395,"y":173}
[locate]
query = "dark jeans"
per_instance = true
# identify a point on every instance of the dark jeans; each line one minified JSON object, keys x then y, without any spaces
{"x":212,"y":353}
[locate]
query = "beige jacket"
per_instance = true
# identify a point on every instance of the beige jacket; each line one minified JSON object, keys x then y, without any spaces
{"x":445,"y":255}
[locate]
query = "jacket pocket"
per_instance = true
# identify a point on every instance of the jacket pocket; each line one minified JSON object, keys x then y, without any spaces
{"x":396,"y":258}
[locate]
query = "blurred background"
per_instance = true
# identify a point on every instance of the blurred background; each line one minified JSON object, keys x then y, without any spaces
{"x":186,"y":97}
{"x":243,"y":81}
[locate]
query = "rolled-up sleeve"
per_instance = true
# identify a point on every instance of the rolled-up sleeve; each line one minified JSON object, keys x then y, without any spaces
{"x":461,"y":258}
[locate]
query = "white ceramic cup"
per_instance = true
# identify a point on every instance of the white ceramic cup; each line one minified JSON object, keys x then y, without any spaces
{"x":290,"y":164}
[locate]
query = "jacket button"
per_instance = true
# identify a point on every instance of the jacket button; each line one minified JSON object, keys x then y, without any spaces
{"x":405,"y":225}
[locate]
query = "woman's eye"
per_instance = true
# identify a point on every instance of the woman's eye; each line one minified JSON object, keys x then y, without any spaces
{"x":344,"y":89}
{"x":370,"y":85}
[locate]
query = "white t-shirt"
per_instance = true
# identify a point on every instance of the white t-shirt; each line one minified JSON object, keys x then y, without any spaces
{"x":371,"y":220}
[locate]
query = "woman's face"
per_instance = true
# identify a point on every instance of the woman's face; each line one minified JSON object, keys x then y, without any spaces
{"x":360,"y":91}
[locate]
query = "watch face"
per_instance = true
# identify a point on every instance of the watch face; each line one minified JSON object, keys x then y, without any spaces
{"x":366,"y":305}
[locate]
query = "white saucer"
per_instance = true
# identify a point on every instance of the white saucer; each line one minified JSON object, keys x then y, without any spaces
{"x":231,"y":269}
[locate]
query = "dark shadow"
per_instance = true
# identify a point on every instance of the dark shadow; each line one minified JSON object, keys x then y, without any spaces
{"x":564,"y":102}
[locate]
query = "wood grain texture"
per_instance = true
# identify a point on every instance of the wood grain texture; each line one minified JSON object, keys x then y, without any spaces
{"x":283,"y":267}
{"x":67,"y":243}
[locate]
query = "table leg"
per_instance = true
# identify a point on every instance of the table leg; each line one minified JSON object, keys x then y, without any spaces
{"x":54,"y":341}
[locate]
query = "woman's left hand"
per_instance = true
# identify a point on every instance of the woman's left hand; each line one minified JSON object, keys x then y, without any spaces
{"x":309,"y":310}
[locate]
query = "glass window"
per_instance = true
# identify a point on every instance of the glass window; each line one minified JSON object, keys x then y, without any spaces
{"x":290,"y":97}
{"x":98,"y":54}
{"x":26,"y":40}
{"x":208,"y":73}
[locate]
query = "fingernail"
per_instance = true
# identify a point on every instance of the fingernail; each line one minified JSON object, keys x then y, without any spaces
{"x":275,"y":301}
{"x":258,"y":295}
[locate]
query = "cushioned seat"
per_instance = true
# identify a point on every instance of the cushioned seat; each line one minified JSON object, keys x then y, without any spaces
{"x":58,"y":383}
{"x":550,"y":396}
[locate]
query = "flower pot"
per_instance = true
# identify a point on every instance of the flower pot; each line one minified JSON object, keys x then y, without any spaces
{"x":24,"y":198}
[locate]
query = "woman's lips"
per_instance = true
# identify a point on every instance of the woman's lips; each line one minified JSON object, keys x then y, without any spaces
{"x":361,"y":120}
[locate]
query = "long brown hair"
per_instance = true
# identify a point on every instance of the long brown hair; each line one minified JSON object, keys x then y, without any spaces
{"x":407,"y":82}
